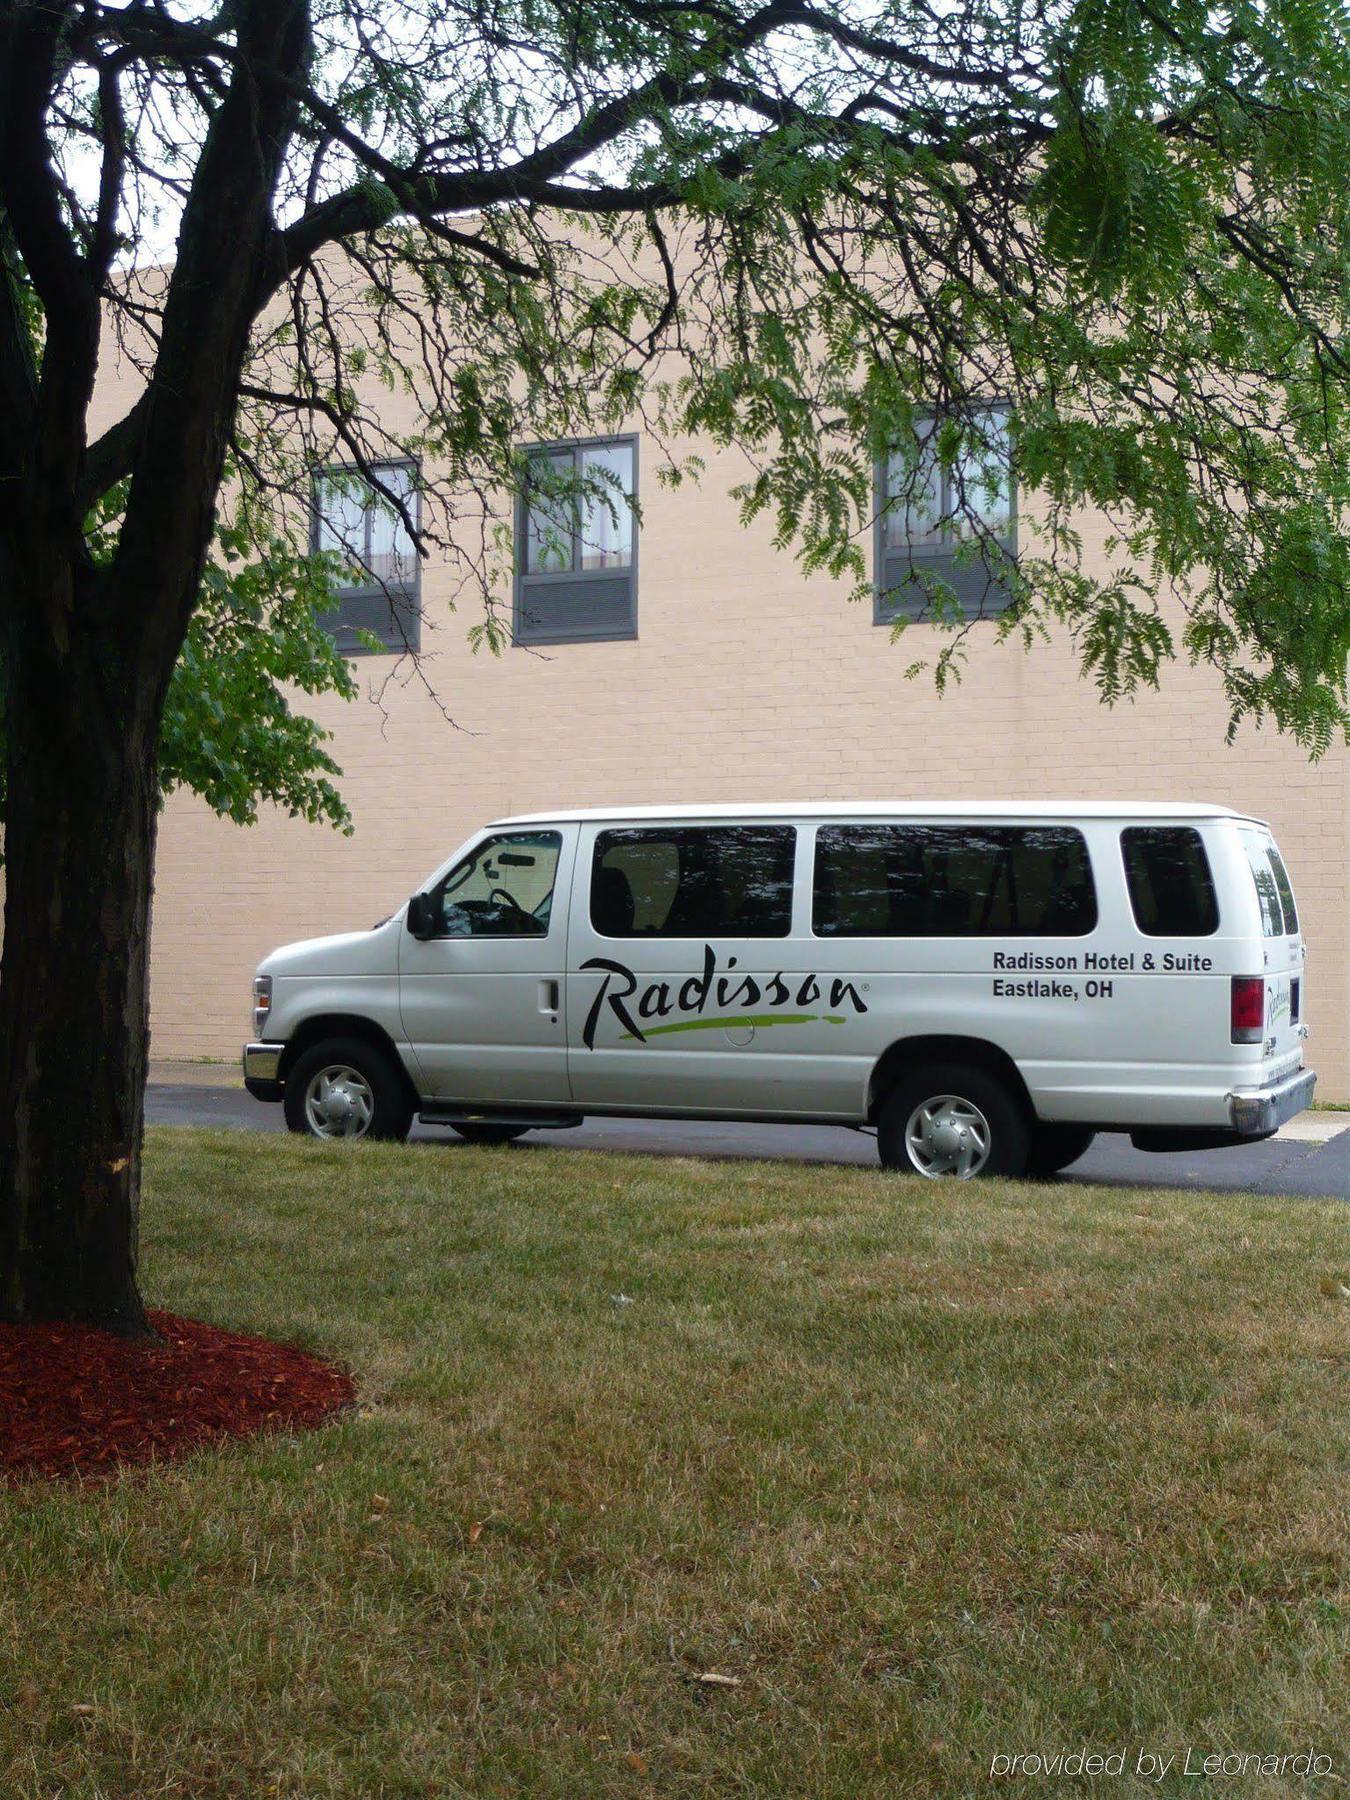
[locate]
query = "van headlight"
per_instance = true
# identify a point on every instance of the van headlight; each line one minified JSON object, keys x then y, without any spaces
{"x":262,"y":1002}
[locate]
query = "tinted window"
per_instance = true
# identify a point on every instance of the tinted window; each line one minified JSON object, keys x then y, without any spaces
{"x":503,"y":888}
{"x":949,"y":881}
{"x":1286,"y":891}
{"x":1171,"y":888}
{"x":693,"y":881}
{"x":1261,"y":861}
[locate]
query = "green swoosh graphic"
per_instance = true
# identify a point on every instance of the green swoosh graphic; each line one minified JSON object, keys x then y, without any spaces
{"x":755,"y":1019}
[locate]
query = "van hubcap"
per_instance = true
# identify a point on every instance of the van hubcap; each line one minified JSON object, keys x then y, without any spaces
{"x":339,"y":1103}
{"x":947,"y":1136}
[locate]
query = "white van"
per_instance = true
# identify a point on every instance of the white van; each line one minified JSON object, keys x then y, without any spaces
{"x":986,"y":985}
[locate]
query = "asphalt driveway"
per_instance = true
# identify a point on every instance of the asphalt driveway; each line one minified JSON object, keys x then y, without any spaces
{"x":1310,"y":1157}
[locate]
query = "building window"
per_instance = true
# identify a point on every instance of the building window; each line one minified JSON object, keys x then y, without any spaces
{"x":576,"y":543}
{"x":363,"y":525}
{"x":952,"y":523}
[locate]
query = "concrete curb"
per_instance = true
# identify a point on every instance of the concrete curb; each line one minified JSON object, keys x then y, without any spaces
{"x":164,"y":1073}
{"x":1315,"y":1127}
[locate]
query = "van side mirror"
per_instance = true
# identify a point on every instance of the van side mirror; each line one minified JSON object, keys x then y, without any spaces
{"x":421,"y":916}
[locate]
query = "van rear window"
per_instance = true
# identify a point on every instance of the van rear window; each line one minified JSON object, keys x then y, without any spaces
{"x":1171,"y":888}
{"x":1283,"y":883}
{"x":1273,"y":892}
{"x":948,"y":881}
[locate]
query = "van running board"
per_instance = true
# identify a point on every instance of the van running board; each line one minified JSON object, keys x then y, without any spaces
{"x":459,"y":1115}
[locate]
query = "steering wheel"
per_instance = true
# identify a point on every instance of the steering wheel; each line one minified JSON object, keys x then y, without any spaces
{"x":501,"y":896}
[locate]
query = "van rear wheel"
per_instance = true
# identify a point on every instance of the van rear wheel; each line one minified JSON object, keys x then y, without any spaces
{"x":955,"y":1121}
{"x":346,"y":1088}
{"x":1054,"y":1147}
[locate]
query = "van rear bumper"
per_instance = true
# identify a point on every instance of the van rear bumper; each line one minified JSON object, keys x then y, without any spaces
{"x":1257,"y":1112}
{"x":1253,"y":1114}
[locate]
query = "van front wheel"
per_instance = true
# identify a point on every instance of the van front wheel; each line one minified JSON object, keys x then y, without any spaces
{"x":346,"y":1088}
{"x":952,"y":1120}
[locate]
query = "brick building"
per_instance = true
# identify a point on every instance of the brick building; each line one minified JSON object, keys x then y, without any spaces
{"x":697,"y":663}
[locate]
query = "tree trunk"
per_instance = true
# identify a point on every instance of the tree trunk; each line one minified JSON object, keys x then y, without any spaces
{"x":74,"y":1029}
{"x":89,"y":646}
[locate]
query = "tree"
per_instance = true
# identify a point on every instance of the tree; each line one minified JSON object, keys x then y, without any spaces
{"x":796,"y":225}
{"x":230,"y":731}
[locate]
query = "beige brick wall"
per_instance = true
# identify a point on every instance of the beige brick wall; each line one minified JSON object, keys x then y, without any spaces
{"x":745,"y":682}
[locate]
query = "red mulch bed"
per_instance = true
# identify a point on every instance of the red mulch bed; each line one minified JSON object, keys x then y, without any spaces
{"x":75,"y":1401}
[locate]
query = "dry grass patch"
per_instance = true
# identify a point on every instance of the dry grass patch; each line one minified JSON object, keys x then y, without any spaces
{"x":929,"y":1474}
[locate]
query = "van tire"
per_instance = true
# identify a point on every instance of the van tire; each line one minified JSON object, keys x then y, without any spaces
{"x":1054,"y":1147}
{"x":378,"y":1083}
{"x":489,"y":1134}
{"x":967,"y":1094}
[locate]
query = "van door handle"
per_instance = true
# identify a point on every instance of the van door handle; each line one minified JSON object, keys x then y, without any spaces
{"x":548,"y":997}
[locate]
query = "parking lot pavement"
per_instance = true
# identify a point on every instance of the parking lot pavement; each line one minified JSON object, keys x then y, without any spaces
{"x":1303,"y":1159}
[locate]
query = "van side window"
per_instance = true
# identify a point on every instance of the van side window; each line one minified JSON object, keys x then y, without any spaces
{"x":693,"y":881}
{"x":503,"y":887}
{"x":949,"y":881}
{"x":1171,"y":888}
{"x":1262,"y":857}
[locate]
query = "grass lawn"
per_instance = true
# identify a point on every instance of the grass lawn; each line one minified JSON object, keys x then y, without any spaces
{"x":932,"y":1474}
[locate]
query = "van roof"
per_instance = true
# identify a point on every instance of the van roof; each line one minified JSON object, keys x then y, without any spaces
{"x":888,"y":809}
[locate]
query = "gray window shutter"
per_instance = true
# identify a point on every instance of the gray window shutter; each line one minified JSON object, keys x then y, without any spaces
{"x":981,"y":591}
{"x":395,"y":618}
{"x":558,"y":610}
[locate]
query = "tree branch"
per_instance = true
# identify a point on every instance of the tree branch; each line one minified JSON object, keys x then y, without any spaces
{"x":114,"y":133}
{"x":29,"y":186}
{"x":111,"y":458}
{"x":358,"y":209}
{"x":18,"y":378}
{"x":208,"y":312}
{"x":30,"y":190}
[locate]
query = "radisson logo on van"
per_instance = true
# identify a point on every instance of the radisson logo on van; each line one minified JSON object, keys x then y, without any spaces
{"x":692,"y":998}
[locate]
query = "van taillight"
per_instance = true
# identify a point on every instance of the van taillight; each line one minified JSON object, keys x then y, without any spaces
{"x":1248,"y":1012}
{"x":1295,"y":999}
